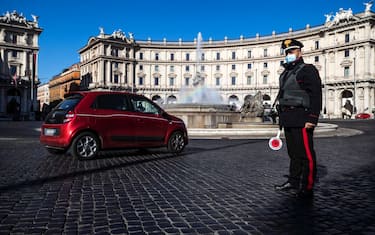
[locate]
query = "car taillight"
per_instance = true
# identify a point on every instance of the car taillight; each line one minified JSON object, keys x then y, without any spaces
{"x":69,"y":116}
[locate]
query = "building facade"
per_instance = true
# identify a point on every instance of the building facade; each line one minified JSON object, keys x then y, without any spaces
{"x":43,"y":95}
{"x":68,"y":80}
{"x":342,"y":49}
{"x":18,"y":65}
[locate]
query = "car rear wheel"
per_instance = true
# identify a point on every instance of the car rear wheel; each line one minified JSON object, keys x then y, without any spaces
{"x":85,"y":146}
{"x":176,"y":142}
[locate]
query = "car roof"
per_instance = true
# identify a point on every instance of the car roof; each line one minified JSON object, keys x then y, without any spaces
{"x":95,"y":93}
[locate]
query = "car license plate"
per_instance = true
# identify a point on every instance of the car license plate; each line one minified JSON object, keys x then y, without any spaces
{"x":49,"y":131}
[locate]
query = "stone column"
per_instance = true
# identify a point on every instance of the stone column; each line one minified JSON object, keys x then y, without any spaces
{"x":107,"y":79}
{"x":100,"y":73}
{"x":366,"y":98}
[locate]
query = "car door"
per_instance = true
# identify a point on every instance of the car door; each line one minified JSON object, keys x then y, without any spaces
{"x":150,"y":126}
{"x":114,"y":121}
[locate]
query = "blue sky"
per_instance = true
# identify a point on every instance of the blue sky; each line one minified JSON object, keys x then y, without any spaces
{"x":67,"y":24}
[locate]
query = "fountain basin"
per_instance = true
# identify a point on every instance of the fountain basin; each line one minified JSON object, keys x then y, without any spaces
{"x":203,"y":115}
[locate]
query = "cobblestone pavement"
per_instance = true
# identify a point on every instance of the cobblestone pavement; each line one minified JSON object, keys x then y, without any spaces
{"x":214,"y":187}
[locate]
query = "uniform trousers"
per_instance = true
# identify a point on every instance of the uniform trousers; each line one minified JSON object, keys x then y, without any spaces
{"x":302,"y":168}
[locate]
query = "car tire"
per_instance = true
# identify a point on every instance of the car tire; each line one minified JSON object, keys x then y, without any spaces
{"x":85,"y":146}
{"x":176,"y":142}
{"x":56,"y":151}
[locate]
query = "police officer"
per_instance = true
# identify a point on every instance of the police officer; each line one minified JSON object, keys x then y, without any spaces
{"x":299,"y":104}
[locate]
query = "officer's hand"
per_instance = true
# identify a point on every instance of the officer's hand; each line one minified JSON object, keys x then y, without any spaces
{"x":309,"y":125}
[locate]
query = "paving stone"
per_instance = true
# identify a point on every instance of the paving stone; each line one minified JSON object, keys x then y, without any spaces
{"x":214,"y":187}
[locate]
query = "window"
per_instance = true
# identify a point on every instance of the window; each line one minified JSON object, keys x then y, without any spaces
{"x":172,"y":56}
{"x":248,"y":66}
{"x":141,"y":67}
{"x":281,"y":51}
{"x":187,"y":56}
{"x":140,"y":79}
{"x":346,"y":71}
{"x":233,"y":81}
{"x":233,"y":55}
{"x":156,"y":68}
{"x":316,"y":45}
{"x":187,"y":68}
{"x":142,"y":105}
{"x":111,"y":101}
{"x":187,"y":81}
{"x":156,"y":56}
{"x":316,"y":59}
{"x":217,"y":55}
{"x":171,"y":81}
{"x":249,"y":54}
{"x":29,"y":39}
{"x":265,"y":52}
{"x":202,"y":56}
{"x":217,"y":67}
{"x":202,"y":68}
{"x":114,"y":52}
{"x":347,"y":38}
{"x":14,"y":54}
{"x":13,"y":38}
{"x":13,"y":70}
{"x":233,"y":66}
{"x":248,"y":80}
{"x":265,"y":65}
{"x":265,"y":79}
{"x":156,"y":81}
{"x":171,"y":68}
{"x":115,"y":65}
{"x":115,"y":78}
{"x":346,"y":53}
{"x":217,"y":81}
{"x":127,"y":50}
{"x":141,"y":55}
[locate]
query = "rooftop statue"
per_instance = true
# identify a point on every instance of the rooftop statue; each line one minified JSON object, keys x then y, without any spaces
{"x":328,"y":17}
{"x":341,"y":15}
{"x":368,"y":6}
{"x":101,"y":30}
{"x":14,"y":17}
{"x":119,"y":34}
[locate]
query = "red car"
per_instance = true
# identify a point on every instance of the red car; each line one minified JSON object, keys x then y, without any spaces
{"x":86,"y":122}
{"x":362,"y":116}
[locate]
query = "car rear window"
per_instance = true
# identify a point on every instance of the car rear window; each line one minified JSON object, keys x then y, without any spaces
{"x":69,"y":103}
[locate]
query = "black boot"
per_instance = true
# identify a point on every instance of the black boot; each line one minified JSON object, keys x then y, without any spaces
{"x":287,"y":186}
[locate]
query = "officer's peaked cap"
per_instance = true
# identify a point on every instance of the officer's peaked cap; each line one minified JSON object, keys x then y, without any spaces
{"x":289,"y":44}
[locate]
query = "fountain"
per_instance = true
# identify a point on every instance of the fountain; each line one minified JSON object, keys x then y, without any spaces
{"x":200,"y":106}
{"x":206,"y":115}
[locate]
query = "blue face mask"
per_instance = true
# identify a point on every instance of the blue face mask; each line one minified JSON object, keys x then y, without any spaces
{"x":290,"y":58}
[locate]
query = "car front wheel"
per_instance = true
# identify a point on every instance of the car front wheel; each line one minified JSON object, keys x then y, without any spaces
{"x":176,"y":142}
{"x":85,"y":146}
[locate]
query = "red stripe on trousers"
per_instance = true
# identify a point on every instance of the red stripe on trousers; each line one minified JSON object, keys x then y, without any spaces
{"x":309,"y":157}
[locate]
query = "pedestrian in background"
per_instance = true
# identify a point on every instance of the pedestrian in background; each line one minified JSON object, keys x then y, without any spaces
{"x":299,"y":104}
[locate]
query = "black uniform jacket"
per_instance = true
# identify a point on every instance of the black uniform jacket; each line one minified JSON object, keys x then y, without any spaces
{"x":309,"y":80}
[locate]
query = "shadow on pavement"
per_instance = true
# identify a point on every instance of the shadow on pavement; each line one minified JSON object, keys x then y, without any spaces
{"x":146,"y":154}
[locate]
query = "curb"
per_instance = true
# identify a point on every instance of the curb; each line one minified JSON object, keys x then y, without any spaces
{"x":265,"y":132}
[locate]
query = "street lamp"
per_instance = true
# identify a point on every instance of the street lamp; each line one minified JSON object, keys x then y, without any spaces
{"x":325,"y":82}
{"x":355,"y":82}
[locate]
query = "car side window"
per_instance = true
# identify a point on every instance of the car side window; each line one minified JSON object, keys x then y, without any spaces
{"x":143,"y":105}
{"x":111,"y":101}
